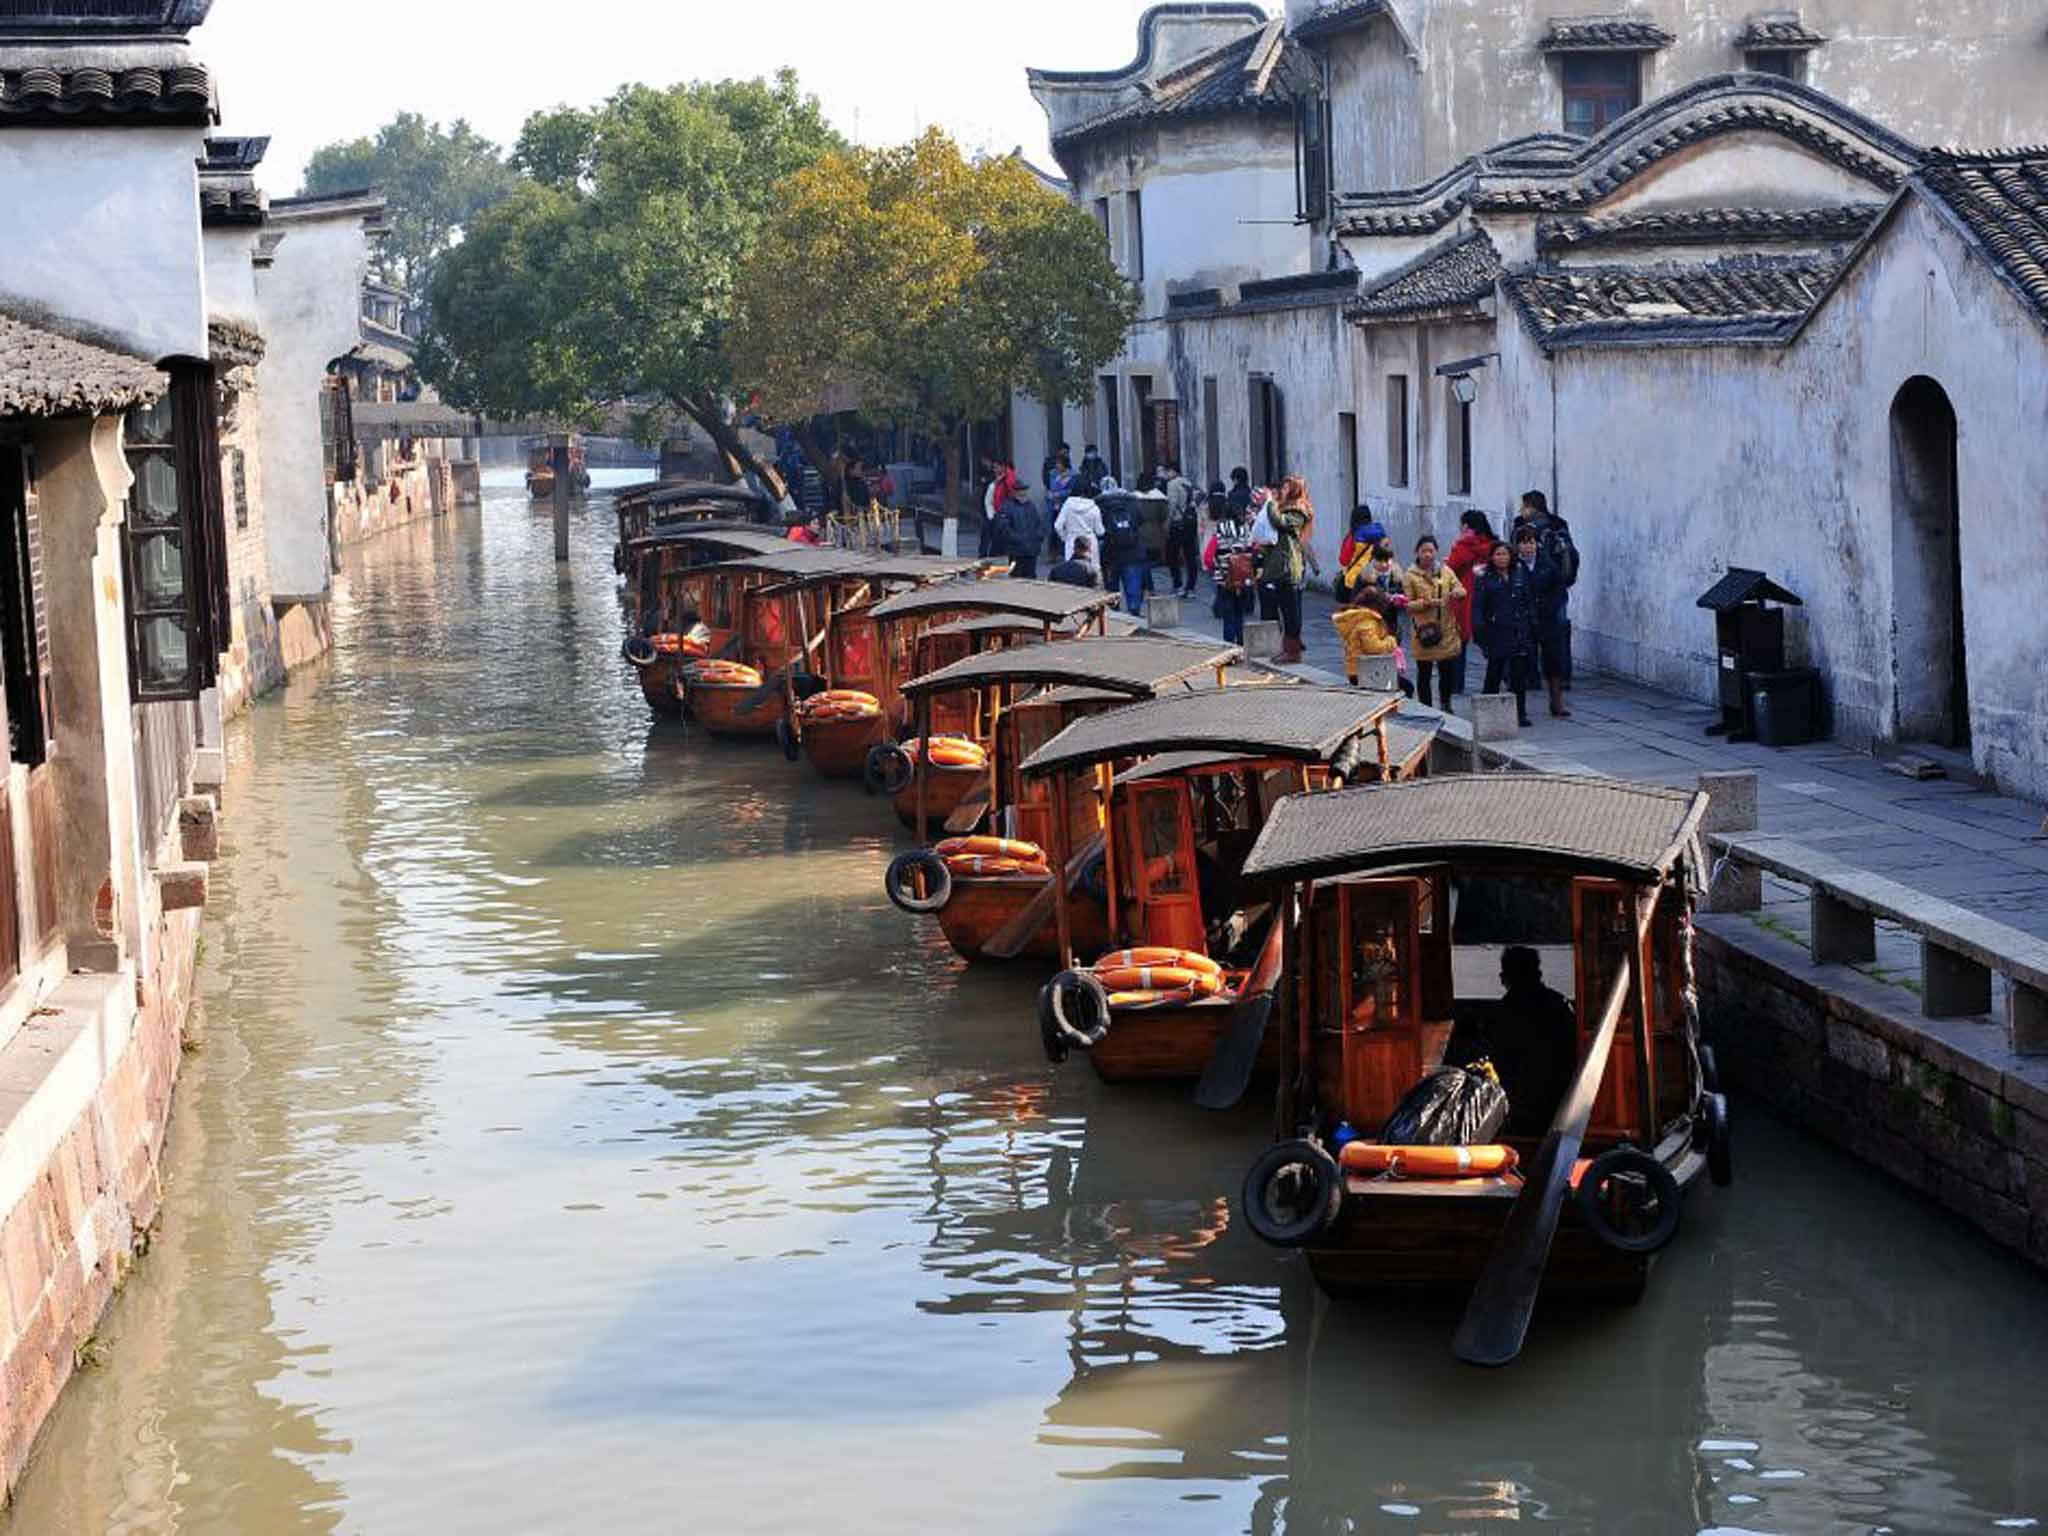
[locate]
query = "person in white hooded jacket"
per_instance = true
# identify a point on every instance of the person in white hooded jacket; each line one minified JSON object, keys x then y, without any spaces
{"x":1080,"y":518}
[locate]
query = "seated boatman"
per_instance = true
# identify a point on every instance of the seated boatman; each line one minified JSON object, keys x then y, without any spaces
{"x":1534,"y":1043}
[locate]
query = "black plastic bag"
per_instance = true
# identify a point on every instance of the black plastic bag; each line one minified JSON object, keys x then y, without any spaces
{"x":1452,"y":1107}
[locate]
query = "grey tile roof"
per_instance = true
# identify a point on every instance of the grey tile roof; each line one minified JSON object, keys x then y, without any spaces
{"x":1334,"y":16}
{"x":1262,"y":71}
{"x":1696,"y":226}
{"x":1767,"y":33}
{"x":1742,"y":299}
{"x":1605,"y":34}
{"x":2002,"y":200}
{"x":44,"y":94}
{"x":229,"y":201}
{"x":1047,"y":601}
{"x":1134,"y":665}
{"x":46,"y":374}
{"x":1496,"y":819}
{"x":99,"y":17}
{"x":1449,"y":279}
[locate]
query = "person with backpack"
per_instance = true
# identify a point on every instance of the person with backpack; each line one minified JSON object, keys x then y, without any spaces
{"x":1124,"y":566}
{"x":1183,"y":532}
{"x":1291,"y":516}
{"x":1554,"y":624}
{"x":1154,"y":515}
{"x":1080,"y":518}
{"x":1229,"y":560}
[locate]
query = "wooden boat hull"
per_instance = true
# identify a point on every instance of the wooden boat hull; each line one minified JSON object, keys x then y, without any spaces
{"x":948,"y":787}
{"x":982,"y":907}
{"x":838,"y":749}
{"x":1438,"y":1235}
{"x":658,"y":687}
{"x":720,"y":709}
{"x":1172,"y":1045}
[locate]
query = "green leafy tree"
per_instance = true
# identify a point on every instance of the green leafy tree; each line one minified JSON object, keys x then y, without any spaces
{"x":931,"y":288}
{"x":436,"y":180}
{"x":610,"y":277}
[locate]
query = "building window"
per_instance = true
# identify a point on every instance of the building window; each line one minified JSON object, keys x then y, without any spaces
{"x":24,"y":620}
{"x":1102,"y":217}
{"x":1269,"y":431}
{"x":1458,"y":455}
{"x":1312,"y":168}
{"x":1783,"y":62}
{"x":1111,"y":443}
{"x":1134,"y":235}
{"x":177,"y":541}
{"x":1600,"y":88}
{"x":1397,"y":429}
{"x":1347,"y":451}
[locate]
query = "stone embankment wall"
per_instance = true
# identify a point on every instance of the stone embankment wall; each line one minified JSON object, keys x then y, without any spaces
{"x":1942,"y":1106}
{"x":85,"y":1090}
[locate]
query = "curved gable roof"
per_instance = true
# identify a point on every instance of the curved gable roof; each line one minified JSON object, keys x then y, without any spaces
{"x":1253,"y":16}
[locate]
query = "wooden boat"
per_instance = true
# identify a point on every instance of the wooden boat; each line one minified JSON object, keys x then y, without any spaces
{"x":1190,"y":779}
{"x":657,"y":506}
{"x":540,"y":473}
{"x":916,"y":632}
{"x":1382,"y":888}
{"x":666,"y":623}
{"x":1026,"y":695}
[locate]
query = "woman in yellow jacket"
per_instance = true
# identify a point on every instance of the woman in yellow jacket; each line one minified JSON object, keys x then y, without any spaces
{"x":1366,"y":626}
{"x":1434,"y":592}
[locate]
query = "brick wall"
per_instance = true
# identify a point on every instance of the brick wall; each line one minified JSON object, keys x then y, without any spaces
{"x":1941,"y":1106}
{"x":255,"y":660}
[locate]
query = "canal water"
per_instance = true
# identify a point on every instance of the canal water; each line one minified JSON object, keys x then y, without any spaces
{"x":577,"y":1140}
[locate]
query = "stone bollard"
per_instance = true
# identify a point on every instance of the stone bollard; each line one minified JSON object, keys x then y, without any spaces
{"x":1731,"y":807}
{"x":949,"y":538}
{"x":1379,"y":673}
{"x":1493,"y":718}
{"x":1262,"y":639}
{"x":2027,"y":1020}
{"x":1162,"y":613}
{"x":199,"y":829}
{"x":209,"y":768}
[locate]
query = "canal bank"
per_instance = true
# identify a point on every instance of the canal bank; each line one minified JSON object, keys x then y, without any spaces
{"x":578,"y":1135}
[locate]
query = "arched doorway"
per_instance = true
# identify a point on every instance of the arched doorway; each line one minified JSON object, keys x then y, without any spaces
{"x":1930,"y":670}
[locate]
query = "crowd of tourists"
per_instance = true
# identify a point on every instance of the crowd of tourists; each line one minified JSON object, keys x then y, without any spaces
{"x":1510,"y":596}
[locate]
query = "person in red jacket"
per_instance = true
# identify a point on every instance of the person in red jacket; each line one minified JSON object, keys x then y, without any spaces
{"x":1475,"y":542}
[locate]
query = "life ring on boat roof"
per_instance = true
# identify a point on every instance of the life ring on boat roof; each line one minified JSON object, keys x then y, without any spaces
{"x":640,"y":651}
{"x":1077,"y":1006}
{"x":933,"y":880}
{"x":840,"y":704}
{"x":1293,"y":1194}
{"x":1152,"y":978}
{"x":991,"y":848}
{"x":1641,"y":1187}
{"x":888,"y":769}
{"x":951,"y":752}
{"x":1372,"y":1157}
{"x":715,"y":673}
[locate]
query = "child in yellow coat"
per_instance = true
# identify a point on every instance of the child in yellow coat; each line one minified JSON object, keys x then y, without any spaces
{"x":1366,"y":626}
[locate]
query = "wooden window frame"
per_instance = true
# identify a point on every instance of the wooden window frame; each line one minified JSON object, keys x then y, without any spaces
{"x":24,"y":610}
{"x":1313,"y":160}
{"x":1458,"y":442}
{"x":197,"y":529}
{"x":1611,"y":99}
{"x":1398,"y":468}
{"x":1134,"y":236}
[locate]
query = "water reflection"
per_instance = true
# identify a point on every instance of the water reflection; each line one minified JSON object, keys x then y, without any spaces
{"x":580,"y":1137}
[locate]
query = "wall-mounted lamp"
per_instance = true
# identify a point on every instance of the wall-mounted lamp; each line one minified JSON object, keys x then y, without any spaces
{"x":1465,"y":388}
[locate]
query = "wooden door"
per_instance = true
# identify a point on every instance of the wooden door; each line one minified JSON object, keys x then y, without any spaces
{"x":1156,"y":881}
{"x":1373,"y":1042}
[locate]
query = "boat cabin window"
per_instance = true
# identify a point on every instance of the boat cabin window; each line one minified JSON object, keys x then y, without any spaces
{"x":854,"y":652}
{"x":1159,"y":837}
{"x":770,"y":621}
{"x":718,"y":608}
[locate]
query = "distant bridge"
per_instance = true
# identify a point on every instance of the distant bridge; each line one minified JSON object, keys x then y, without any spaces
{"x":434,"y":418}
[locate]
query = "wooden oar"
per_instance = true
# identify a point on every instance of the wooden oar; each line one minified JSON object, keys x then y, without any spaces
{"x":1236,"y":1056}
{"x":1009,"y":941}
{"x":968,"y":813}
{"x":1496,"y":1319}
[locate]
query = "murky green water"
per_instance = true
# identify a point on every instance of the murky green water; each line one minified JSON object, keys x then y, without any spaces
{"x":581,"y":1143}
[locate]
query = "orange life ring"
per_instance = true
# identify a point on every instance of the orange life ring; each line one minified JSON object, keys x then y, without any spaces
{"x":983,"y":864}
{"x":1428,"y":1162}
{"x":949,"y":752}
{"x":680,"y":645}
{"x":991,"y":848}
{"x":841,"y":704}
{"x":1159,"y":978}
{"x":1192,"y":959}
{"x":721,"y":674}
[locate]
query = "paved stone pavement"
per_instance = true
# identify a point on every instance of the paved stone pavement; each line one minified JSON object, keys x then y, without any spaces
{"x":1979,"y":850}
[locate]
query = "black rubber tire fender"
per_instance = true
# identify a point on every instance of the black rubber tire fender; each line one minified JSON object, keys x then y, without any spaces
{"x":1316,"y":1201}
{"x":1631,"y":1162}
{"x":889,"y":769}
{"x":1079,"y":1008}
{"x":1720,"y":1146}
{"x":1056,"y":1048}
{"x":1710,"y":1070}
{"x":640,"y":652}
{"x":785,"y":738}
{"x":938,"y":885}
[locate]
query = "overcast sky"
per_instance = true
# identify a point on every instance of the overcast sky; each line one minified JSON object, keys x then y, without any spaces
{"x":306,"y":73}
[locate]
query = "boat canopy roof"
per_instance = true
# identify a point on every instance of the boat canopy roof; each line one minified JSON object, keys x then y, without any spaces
{"x":1635,"y":831}
{"x":1134,"y":665}
{"x":1408,"y":738}
{"x":887,"y":567}
{"x":1311,"y":725}
{"x":742,"y":538}
{"x":1047,"y":601}
{"x":800,"y":563}
{"x":1024,"y":624}
{"x":669,"y":493}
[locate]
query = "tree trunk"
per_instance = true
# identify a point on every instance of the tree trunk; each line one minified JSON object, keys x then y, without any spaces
{"x":953,"y":466}
{"x":738,"y":459}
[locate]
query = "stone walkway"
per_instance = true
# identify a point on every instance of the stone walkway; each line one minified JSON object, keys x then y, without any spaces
{"x":1979,"y":850}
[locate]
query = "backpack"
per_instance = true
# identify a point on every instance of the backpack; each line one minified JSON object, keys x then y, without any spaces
{"x":1119,"y":527}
